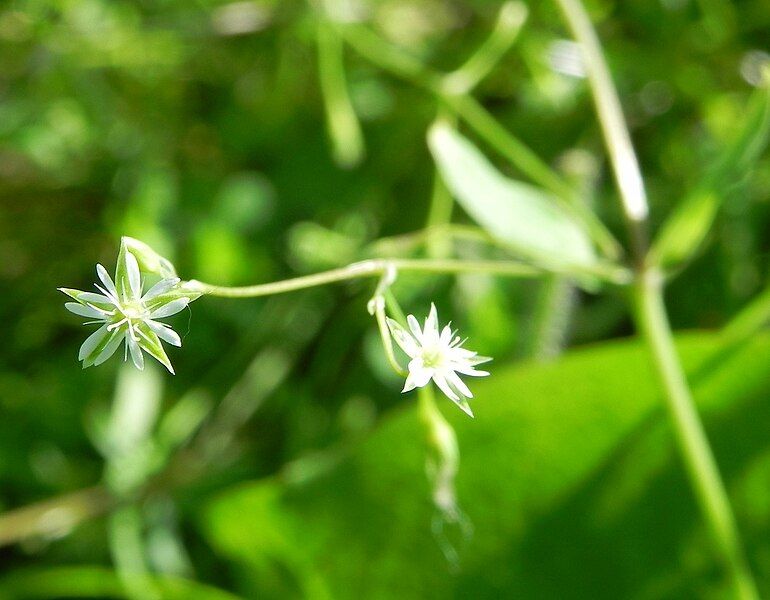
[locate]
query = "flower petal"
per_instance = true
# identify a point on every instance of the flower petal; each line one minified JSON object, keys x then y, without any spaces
{"x":97,"y":299}
{"x":430,"y":330}
{"x":414,"y":325}
{"x":458,"y":384}
{"x":418,"y":376}
{"x":83,"y":311}
{"x":403,"y":339}
{"x":469,"y":370}
{"x":135,"y":351}
{"x":165,"y":333}
{"x":159,"y":288}
{"x":442,"y":384}
{"x":109,"y":349}
{"x":171,"y":308}
{"x":105,"y":278}
{"x":134,"y":276}
{"x":92,"y":341}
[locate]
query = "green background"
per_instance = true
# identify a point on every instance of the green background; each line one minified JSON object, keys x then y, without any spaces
{"x":306,"y":475}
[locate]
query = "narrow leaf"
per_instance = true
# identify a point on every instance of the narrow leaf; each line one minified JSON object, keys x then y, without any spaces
{"x":526,"y":218}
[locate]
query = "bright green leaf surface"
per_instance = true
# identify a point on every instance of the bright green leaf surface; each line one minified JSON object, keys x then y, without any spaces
{"x":525,"y":217}
{"x":568,"y":475}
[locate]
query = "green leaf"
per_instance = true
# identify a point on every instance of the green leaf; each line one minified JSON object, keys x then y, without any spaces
{"x":528,"y":219}
{"x":568,"y":475}
{"x":685,"y":230}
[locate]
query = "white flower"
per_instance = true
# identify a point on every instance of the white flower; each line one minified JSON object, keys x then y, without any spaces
{"x":437,"y":356}
{"x":125,"y":314}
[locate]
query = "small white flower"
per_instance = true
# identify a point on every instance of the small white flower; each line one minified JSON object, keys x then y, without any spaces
{"x":125,"y":314}
{"x":437,"y":356}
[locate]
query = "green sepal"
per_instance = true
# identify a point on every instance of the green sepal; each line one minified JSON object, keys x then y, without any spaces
{"x":150,"y":343}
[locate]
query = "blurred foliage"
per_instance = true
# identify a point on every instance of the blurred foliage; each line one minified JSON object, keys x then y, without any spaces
{"x":199,"y":128}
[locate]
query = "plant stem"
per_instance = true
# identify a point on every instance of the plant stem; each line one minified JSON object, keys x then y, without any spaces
{"x":510,"y":20}
{"x":342,"y":122}
{"x":650,"y":311}
{"x":369,"y":268}
{"x":379,"y":266}
{"x":628,"y":175}
{"x":701,"y":466}
{"x":407,"y":67}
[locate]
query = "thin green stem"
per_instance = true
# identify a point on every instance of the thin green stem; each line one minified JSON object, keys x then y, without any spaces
{"x":699,"y":461}
{"x":342,"y":122}
{"x":650,"y":312}
{"x":510,"y":20}
{"x":628,"y":175}
{"x":378,"y":266}
{"x":376,"y":307}
{"x":369,"y":268}
{"x":409,"y":242}
{"x":391,"y":59}
{"x":441,"y":206}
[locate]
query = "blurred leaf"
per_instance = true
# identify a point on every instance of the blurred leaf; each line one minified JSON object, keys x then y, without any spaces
{"x":686,"y":228}
{"x":527,"y":218}
{"x":96,"y":582}
{"x":557,"y":477}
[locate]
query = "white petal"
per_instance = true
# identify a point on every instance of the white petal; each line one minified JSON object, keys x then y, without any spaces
{"x":136,"y":351}
{"x":403,"y":339}
{"x":92,"y":341}
{"x":458,"y":384}
{"x":114,"y":299}
{"x":134,"y":277}
{"x":110,"y":348}
{"x":468,"y":370}
{"x":94,"y":298}
{"x":442,"y":384}
{"x":418,"y":376}
{"x":414,"y":325}
{"x":458,"y":361}
{"x":430,"y":331}
{"x":446,"y":335}
{"x":165,"y":333}
{"x":159,"y":288}
{"x":105,"y":278}
{"x":169,"y":309}
{"x":83,"y":311}
{"x":464,"y":406}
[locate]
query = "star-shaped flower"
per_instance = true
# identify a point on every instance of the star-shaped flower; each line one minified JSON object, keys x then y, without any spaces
{"x":438,"y":357}
{"x":125,"y":314}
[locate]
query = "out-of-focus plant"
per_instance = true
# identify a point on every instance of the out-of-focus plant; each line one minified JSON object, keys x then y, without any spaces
{"x":537,"y":226}
{"x":545,"y":225}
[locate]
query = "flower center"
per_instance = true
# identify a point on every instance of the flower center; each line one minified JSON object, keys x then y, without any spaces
{"x":432,"y":357}
{"x":133,"y":312}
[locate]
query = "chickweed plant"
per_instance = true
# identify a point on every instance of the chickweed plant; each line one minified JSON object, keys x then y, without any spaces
{"x":542,"y":224}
